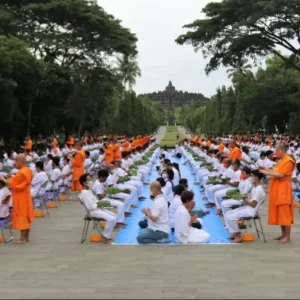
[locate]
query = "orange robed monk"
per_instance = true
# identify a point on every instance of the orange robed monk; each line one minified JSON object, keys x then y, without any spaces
{"x":28,"y":143}
{"x":78,"y":167}
{"x":281,"y":208}
{"x":117,"y":151}
{"x":22,"y":215}
{"x":109,"y":153}
{"x":235,"y":152}
{"x":126,"y":146}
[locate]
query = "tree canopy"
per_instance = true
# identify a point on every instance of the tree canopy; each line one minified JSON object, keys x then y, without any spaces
{"x":265,"y":101}
{"x":234,"y":29}
{"x":56,"y":70}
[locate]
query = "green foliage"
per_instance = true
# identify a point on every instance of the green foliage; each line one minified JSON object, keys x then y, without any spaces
{"x":170,"y":139}
{"x":265,"y":101}
{"x":56,"y":74}
{"x":234,"y":29}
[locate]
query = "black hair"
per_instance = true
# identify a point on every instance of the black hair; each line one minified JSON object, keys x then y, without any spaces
{"x":103,"y":173}
{"x":167,"y":161}
{"x":183,"y":181}
{"x":161,"y":181}
{"x":39,"y":164}
{"x":83,"y":178}
{"x":56,"y":160}
{"x":170,"y":174}
{"x":87,"y":153}
{"x":247,"y":170}
{"x":298,"y":166}
{"x":256,"y":173}
{"x":236,"y":162}
{"x":262,"y":154}
{"x":269,"y":152}
{"x":66,"y":158}
{"x":187,"y":196}
{"x":178,"y":189}
{"x":50,"y":156}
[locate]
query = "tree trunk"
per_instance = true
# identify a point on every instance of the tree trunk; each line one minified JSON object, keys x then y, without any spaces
{"x":79,"y":129}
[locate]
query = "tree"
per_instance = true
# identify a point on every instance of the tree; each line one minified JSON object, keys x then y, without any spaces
{"x":239,"y":68}
{"x":129,"y":70}
{"x":237,"y":29}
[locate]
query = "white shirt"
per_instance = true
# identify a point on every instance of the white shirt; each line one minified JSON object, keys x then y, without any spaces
{"x":168,"y":191}
{"x":176,"y":176}
{"x":87,"y":164}
{"x":55,"y":174}
{"x":245,"y":186}
{"x":98,"y":187}
{"x":37,"y":181}
{"x":65,"y":171}
{"x":228,"y":173}
{"x":268,"y":163}
{"x":257,"y":194}
{"x":9,"y":163}
{"x":182,"y":227}
{"x":159,"y":209}
{"x":236,"y":176}
{"x":89,"y":200}
{"x":111,"y":180}
{"x":4,"y":192}
{"x":176,"y":202}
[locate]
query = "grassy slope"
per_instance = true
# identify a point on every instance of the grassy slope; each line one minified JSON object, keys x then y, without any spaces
{"x":169,"y":139}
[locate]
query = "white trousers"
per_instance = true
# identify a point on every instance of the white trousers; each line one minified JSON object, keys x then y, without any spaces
{"x":226,"y":206}
{"x":110,"y":219}
{"x":219,"y":196}
{"x":139,"y":185}
{"x":132,"y":188}
{"x":119,"y":205}
{"x":128,"y":200}
{"x":197,"y":236}
{"x":210,"y":191}
{"x":232,"y":216}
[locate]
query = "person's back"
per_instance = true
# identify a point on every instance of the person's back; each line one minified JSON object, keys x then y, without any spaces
{"x":160,"y":209}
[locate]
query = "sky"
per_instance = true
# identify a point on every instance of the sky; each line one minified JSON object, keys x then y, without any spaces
{"x":157,"y":23}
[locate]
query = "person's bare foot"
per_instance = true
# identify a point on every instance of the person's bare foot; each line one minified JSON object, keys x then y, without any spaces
{"x":120,"y":226}
{"x":210,"y":205}
{"x":284,"y":240}
{"x":219,"y":212}
{"x":142,"y":198}
{"x":146,"y":183}
{"x":278,"y":238}
{"x":19,"y":242}
{"x":237,"y":240}
{"x":128,"y":214}
{"x":107,"y":241}
{"x":207,"y":212}
{"x":133,"y":206}
{"x":196,"y":183}
{"x":204,"y":198}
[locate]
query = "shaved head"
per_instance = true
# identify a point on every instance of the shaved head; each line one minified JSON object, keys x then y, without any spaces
{"x":283,"y":147}
{"x":20,"y":161}
{"x":155,"y":188}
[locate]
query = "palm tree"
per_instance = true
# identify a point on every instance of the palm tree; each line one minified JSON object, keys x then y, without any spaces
{"x":129,"y":70}
{"x":240,"y":67}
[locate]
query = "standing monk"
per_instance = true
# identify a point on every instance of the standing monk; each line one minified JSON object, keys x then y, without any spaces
{"x":22,"y":215}
{"x":281,"y":208}
{"x":109,"y":153}
{"x":28,"y":143}
{"x":78,"y":167}
{"x":117,"y":151}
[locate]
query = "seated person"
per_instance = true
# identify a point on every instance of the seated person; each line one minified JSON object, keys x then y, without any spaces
{"x":90,"y":201}
{"x":244,"y":188}
{"x":99,"y":190}
{"x":55,"y":175}
{"x":184,"y":232}
{"x":158,"y":221}
{"x":249,"y":209}
{"x":176,"y":202}
{"x":5,"y":201}
{"x":38,"y":179}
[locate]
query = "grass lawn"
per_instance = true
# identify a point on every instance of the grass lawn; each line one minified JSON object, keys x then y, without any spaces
{"x":170,"y":139}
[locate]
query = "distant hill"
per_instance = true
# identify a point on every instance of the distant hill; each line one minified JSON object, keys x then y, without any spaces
{"x":170,"y":98}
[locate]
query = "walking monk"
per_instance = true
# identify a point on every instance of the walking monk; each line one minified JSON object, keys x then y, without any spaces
{"x":117,"y":150}
{"x":22,"y":215}
{"x":281,"y":208}
{"x":78,"y":167}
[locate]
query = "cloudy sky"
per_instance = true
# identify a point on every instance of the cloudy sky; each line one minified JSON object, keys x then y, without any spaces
{"x":157,"y":23}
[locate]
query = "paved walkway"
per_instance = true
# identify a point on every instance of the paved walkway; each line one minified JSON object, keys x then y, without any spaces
{"x":55,"y":265}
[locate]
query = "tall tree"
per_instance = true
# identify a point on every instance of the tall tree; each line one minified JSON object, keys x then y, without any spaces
{"x":129,"y":70}
{"x":254,"y":28}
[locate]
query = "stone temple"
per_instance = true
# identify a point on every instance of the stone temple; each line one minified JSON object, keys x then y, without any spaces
{"x":170,"y":99}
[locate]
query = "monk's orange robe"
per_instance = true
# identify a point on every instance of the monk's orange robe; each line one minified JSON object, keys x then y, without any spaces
{"x":22,"y":215}
{"x":117,"y":152}
{"x":208,"y":144}
{"x":221,"y":147}
{"x":54,"y":143}
{"x":78,"y":169}
{"x":109,"y":154}
{"x":235,"y":153}
{"x":28,"y":145}
{"x":281,"y":206}
{"x":126,"y":146}
{"x":133,"y":144}
{"x":199,"y":141}
{"x":71,"y":141}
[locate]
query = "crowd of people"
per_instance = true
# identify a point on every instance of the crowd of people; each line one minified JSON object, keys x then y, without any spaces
{"x":235,"y":174}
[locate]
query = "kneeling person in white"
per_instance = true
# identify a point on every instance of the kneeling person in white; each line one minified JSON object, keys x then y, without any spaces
{"x":158,"y":220}
{"x":90,"y":201}
{"x":249,"y":209}
{"x":184,"y":232}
